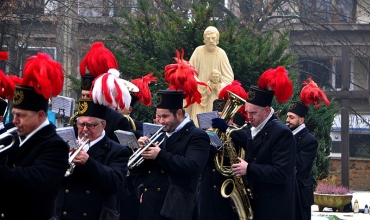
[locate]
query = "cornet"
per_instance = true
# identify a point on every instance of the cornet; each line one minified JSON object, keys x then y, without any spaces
{"x":84,"y":145}
{"x":135,"y":158}
{"x":9,"y":133}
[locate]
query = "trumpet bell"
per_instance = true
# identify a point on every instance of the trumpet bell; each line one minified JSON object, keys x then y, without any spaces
{"x":9,"y":133}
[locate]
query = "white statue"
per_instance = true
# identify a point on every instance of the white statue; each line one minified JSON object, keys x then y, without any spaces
{"x":205,"y":59}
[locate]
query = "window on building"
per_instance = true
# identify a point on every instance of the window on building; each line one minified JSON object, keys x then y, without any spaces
{"x":128,"y":6}
{"x":336,"y":11}
{"x":32,"y":6}
{"x":99,"y":8}
{"x":319,"y":69}
{"x":338,"y":74}
{"x":326,"y":72}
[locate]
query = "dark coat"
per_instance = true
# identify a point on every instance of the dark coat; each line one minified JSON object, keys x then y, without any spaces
{"x":271,"y":158}
{"x":306,"y":152}
{"x":30,"y":175}
{"x":183,"y":156}
{"x":115,"y":121}
{"x":98,"y":182}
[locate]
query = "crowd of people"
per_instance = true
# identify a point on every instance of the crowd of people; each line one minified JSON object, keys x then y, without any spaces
{"x":181,"y":176}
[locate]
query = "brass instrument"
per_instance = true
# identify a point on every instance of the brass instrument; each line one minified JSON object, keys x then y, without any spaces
{"x":83,"y":145}
{"x":131,"y":121}
{"x":232,"y":105}
{"x":9,"y":133}
{"x":136,"y":159}
{"x":72,"y":118}
{"x":235,"y":189}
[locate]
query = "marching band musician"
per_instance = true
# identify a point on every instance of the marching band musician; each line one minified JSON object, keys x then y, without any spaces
{"x":270,"y":150}
{"x":130,"y":202}
{"x":92,"y":190}
{"x":97,"y":61}
{"x":136,"y":126}
{"x":306,"y":145}
{"x":212,"y":204}
{"x":32,"y":169}
{"x":180,"y":159}
{"x":144,"y":96}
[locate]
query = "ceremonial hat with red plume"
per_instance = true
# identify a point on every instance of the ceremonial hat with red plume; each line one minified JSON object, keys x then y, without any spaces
{"x":144,"y":95}
{"x":273,"y":82}
{"x":182,"y":77}
{"x":43,"y":78}
{"x":98,"y":60}
{"x":310,"y":94}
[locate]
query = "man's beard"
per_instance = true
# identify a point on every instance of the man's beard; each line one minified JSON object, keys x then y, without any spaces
{"x":293,"y":127}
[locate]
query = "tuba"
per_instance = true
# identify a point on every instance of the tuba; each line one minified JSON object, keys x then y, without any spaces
{"x":232,"y":105}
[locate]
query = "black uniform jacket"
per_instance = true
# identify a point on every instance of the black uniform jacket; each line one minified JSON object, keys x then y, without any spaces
{"x":306,"y":152}
{"x":30,"y":175}
{"x":183,"y":156}
{"x":271,"y":157}
{"x":98,"y":182}
{"x":115,"y":121}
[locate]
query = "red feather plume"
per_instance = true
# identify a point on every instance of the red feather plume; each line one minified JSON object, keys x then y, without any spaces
{"x":98,"y":60}
{"x":236,"y":88}
{"x":312,"y":94}
{"x":182,"y":76}
{"x":278,"y":81}
{"x":7,"y":85}
{"x":144,"y":94}
{"x":4,"y":55}
{"x":44,"y":74}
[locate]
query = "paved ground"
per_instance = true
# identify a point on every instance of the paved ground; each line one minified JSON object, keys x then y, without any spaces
{"x":363,"y":198}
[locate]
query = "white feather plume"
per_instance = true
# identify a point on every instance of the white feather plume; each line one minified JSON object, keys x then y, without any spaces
{"x":107,"y":87}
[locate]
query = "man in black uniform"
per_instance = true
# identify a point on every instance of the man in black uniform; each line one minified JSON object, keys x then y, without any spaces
{"x":212,"y":204}
{"x":32,"y":169}
{"x":180,"y":159}
{"x":306,"y":147}
{"x":101,"y":166}
{"x":270,"y":150}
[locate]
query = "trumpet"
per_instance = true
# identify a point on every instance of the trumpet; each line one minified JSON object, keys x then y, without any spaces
{"x":84,"y":145}
{"x":135,"y":159}
{"x":9,"y":133}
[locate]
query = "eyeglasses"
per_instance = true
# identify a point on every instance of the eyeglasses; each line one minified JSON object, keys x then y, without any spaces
{"x":88,"y":125}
